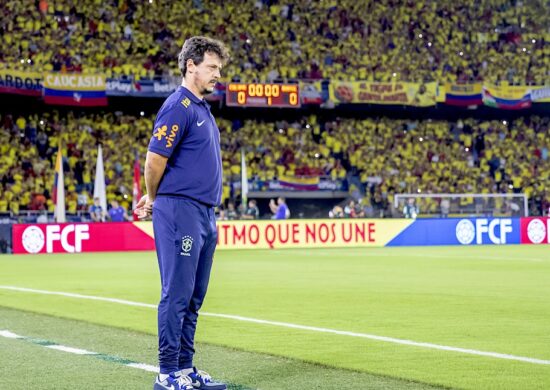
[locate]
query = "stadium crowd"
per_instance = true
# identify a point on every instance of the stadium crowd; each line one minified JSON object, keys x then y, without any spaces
{"x":407,"y":40}
{"x":376,"y":157}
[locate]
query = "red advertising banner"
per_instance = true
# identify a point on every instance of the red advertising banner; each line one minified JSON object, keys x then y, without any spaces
{"x":80,"y":237}
{"x":535,"y":230}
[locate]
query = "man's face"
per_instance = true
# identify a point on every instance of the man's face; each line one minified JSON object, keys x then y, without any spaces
{"x":206,"y":74}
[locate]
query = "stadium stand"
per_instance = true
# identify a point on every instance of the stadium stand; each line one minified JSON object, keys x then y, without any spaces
{"x":415,"y":41}
{"x":446,"y":41}
{"x":377,"y":157}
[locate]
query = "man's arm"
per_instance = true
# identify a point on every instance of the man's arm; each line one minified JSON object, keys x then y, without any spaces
{"x":273,"y":206}
{"x":155,"y":164}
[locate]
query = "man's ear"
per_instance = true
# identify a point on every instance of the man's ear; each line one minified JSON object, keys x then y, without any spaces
{"x":190,"y":65}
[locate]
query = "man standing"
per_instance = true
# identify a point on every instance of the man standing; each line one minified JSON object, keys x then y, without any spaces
{"x":410,"y":210}
{"x":279,"y":210}
{"x":96,"y":211}
{"x":252,"y":212}
{"x":183,"y":176}
{"x":117,"y":213}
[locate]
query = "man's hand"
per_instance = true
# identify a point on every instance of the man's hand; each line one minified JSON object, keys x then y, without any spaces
{"x":144,"y":208}
{"x":273,"y":206}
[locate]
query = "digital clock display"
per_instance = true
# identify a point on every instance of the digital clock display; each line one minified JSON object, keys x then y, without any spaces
{"x":262,"y":95}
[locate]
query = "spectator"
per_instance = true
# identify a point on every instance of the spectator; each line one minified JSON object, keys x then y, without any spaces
{"x":42,"y":217}
{"x":349,"y":210}
{"x":514,"y":153}
{"x":117,"y":213}
{"x":380,"y":42}
{"x":82,"y":200}
{"x":252,"y":212}
{"x":445,"y":207}
{"x":96,"y":211}
{"x":336,"y":212}
{"x":410,"y":210}
{"x":279,"y":210}
{"x":220,"y":216}
{"x":232,"y":213}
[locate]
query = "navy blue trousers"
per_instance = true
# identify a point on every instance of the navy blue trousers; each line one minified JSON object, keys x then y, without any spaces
{"x":185,"y":238}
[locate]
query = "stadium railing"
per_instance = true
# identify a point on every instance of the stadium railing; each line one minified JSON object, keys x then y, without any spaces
{"x":449,"y":205}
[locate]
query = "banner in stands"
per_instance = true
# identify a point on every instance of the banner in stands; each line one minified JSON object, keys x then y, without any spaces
{"x":120,"y":87}
{"x":70,"y":89}
{"x":535,"y":230}
{"x":507,"y":97}
{"x":287,"y":183}
{"x":365,"y":92}
{"x":80,"y":237}
{"x":157,"y":88}
{"x":540,"y":94}
{"x":92,"y":90}
{"x":440,"y":93}
{"x":463,"y":94}
{"x":141,"y":88}
{"x":311,"y":92}
{"x":20,"y":83}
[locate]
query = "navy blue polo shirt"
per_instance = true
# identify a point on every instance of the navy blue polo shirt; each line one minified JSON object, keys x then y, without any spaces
{"x":117,"y":215}
{"x":186,"y":132}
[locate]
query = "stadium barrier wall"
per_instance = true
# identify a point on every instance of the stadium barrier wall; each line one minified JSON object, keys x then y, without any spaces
{"x":319,"y":233}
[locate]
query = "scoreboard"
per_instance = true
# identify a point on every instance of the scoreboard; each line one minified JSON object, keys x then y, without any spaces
{"x":262,"y":95}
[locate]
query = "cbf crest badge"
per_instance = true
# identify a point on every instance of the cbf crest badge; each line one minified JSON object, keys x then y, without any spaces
{"x":186,"y":245}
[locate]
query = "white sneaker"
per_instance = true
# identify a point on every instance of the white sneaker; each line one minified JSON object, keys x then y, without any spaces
{"x":175,"y":381}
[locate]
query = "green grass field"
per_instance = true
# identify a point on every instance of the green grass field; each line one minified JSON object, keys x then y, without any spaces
{"x":476,"y":299}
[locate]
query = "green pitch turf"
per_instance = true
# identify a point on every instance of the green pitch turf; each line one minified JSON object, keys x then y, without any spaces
{"x":491,"y":299}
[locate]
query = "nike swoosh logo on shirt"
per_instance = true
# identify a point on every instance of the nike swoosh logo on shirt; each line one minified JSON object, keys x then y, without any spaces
{"x":200,"y":123}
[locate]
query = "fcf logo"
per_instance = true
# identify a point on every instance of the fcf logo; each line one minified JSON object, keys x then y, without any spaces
{"x":496,"y":229}
{"x":70,"y":237}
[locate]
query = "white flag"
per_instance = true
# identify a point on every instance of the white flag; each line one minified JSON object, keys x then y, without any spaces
{"x":60,"y":187}
{"x":99,"y":184}
{"x":244,"y":181}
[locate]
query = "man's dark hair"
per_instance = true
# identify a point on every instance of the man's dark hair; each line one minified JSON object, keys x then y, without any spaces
{"x":194,"y":49}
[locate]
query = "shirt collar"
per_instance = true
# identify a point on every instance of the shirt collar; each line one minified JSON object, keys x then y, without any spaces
{"x":191,"y":95}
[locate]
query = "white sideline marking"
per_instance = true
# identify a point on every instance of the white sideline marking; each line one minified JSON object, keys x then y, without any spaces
{"x":79,"y":296}
{"x":300,"y":327}
{"x":9,"y":335}
{"x":143,"y":366}
{"x":76,"y":351}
